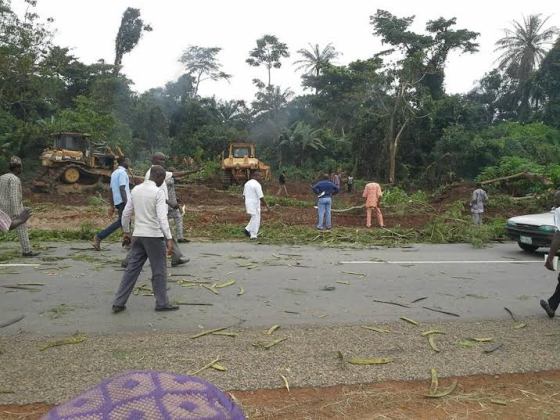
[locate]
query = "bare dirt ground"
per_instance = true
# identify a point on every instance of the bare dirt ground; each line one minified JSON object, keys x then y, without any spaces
{"x":207,"y":204}
{"x":530,"y":395}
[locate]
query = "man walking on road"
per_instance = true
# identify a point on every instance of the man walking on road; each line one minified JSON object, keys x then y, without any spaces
{"x":553,"y":302}
{"x":150,"y":240}
{"x":11,"y":202}
{"x":324,"y":189}
{"x":254,"y":197}
{"x":372,"y":193}
{"x":120,"y":193}
{"x":479,"y":197}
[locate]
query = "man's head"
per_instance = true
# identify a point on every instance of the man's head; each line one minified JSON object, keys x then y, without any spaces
{"x":325,"y":177}
{"x":157,"y":174}
{"x":478,"y":185}
{"x":122,"y":161}
{"x":159,"y":159}
{"x":15,"y":165}
{"x":256,"y":175}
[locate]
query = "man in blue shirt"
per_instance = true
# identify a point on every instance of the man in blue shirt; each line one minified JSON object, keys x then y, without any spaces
{"x":120,"y":193}
{"x":324,"y":189}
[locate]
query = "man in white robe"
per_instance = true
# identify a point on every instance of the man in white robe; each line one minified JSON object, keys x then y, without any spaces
{"x":254,"y":197}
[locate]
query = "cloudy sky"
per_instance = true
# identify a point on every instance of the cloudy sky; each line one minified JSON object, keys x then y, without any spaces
{"x":89,"y":28}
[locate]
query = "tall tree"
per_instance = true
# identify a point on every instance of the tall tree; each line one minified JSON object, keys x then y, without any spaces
{"x":418,"y":72}
{"x":549,"y":82}
{"x":269,"y":52}
{"x":522,"y":49}
{"x":314,"y":59}
{"x":129,"y":34}
{"x":201,"y":63}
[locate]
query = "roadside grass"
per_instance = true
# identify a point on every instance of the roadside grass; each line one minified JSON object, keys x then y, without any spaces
{"x":454,"y":225}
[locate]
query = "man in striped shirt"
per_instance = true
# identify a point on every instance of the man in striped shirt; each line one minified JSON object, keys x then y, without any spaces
{"x":11,"y":202}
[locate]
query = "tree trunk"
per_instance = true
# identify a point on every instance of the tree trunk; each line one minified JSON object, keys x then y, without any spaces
{"x":393,"y":149}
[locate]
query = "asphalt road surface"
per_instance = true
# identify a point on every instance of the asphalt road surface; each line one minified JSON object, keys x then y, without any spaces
{"x":71,"y":287}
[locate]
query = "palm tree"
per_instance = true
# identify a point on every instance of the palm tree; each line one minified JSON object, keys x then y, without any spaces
{"x":314,"y":59}
{"x":522,"y":49}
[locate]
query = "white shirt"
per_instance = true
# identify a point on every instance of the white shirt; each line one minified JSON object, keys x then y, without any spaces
{"x":252,"y":191}
{"x":150,"y":211}
{"x":556,"y":212}
{"x":168,"y":176}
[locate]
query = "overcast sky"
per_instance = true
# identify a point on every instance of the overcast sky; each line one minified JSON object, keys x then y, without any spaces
{"x":89,"y":28}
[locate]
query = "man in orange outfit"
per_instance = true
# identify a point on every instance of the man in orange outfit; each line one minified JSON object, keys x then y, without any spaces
{"x":372,"y":194}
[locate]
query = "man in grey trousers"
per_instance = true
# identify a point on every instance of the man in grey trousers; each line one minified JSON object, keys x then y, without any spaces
{"x":151,"y":240}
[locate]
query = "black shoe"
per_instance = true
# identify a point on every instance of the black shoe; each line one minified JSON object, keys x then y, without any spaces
{"x":182,"y":260}
{"x":167,"y":308}
{"x":117,"y":309}
{"x":547,"y":308}
{"x":183,"y":241}
{"x":246,"y":232}
{"x":30,"y":254}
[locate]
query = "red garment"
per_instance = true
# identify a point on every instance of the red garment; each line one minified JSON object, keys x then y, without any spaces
{"x":372,"y":194}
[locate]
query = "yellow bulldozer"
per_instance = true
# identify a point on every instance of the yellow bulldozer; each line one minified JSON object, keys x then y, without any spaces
{"x":240,"y":163}
{"x":73,"y":162}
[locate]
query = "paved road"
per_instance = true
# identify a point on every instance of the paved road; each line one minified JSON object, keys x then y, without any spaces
{"x":282,"y":285}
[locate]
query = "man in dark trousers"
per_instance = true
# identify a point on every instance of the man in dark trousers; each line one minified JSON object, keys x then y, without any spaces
{"x":282,"y":184}
{"x":120,"y":193}
{"x":552,"y":303}
{"x":324,"y":189}
{"x":151,"y":240}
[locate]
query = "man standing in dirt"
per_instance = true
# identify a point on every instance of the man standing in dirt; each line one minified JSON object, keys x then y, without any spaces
{"x":372,"y":193}
{"x":254,"y":197}
{"x":479,"y":198}
{"x":175,"y":213}
{"x":150,"y":240}
{"x":11,"y":202}
{"x":324,"y":189}
{"x":552,"y":303}
{"x":282,"y":184}
{"x":120,"y":193}
{"x":159,"y":159}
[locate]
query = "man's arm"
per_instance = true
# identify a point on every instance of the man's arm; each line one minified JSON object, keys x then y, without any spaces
{"x":552,"y":251}
{"x":161,"y":210}
{"x":21,"y":218}
{"x":126,"y":216}
{"x":124,"y":197}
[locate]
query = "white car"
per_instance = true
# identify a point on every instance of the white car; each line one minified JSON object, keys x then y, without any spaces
{"x":532,"y":231}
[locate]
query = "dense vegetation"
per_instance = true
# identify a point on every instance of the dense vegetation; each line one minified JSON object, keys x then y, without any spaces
{"x":386,"y":117}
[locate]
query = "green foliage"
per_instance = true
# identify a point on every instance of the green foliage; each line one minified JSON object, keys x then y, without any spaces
{"x":129,"y":34}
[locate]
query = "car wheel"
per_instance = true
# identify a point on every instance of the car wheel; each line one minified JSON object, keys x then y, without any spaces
{"x":527,"y":247}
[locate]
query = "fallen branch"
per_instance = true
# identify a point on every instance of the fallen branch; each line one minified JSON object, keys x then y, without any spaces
{"x":206,"y":366}
{"x":441,"y":312}
{"x":390,"y":303}
{"x":208,"y":332}
{"x":11,"y":321}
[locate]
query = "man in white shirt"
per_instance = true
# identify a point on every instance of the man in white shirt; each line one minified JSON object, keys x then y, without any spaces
{"x":150,"y":240}
{"x":551,"y":305}
{"x":253,"y":194}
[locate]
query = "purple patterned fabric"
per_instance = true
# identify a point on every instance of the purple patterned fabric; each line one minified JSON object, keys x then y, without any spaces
{"x":149,"y":395}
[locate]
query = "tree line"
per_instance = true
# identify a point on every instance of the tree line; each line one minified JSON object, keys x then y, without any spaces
{"x":386,"y":117}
